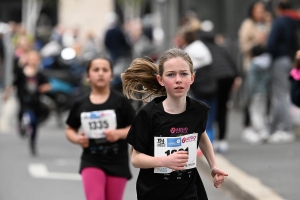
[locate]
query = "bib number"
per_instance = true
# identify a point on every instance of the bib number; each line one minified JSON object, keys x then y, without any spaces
{"x":95,"y":123}
{"x":165,"y":146}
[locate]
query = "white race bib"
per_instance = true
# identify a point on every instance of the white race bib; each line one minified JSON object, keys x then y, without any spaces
{"x":96,"y":122}
{"x":164,"y":146}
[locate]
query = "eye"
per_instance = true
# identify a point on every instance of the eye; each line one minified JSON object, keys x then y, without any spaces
{"x":96,"y":69}
{"x":184,"y":74}
{"x":171,"y":75}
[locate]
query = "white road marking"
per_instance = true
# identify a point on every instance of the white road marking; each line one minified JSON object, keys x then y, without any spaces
{"x":40,"y":170}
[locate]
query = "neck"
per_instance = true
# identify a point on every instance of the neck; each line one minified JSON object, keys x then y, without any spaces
{"x":99,"y":96}
{"x":175,"y":105}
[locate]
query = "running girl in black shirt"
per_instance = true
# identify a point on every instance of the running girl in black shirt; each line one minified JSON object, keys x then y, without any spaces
{"x":167,"y":131}
{"x":105,"y":117}
{"x":30,"y":84}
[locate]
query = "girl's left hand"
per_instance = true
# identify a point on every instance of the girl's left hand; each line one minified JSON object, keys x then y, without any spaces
{"x":111,"y":135}
{"x":219,"y":176}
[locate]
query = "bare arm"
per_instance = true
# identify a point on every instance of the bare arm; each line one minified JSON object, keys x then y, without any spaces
{"x":175,"y":161}
{"x":73,"y":137}
{"x":207,"y":149}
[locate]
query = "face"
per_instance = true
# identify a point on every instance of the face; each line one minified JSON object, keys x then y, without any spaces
{"x":100,"y":73}
{"x":176,"y":78}
{"x":33,"y":59}
{"x":258,"y":12}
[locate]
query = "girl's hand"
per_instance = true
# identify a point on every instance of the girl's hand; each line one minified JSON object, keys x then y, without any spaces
{"x":44,"y":88}
{"x":111,"y":135}
{"x":176,"y":161}
{"x":82,"y":140}
{"x":218,"y":175}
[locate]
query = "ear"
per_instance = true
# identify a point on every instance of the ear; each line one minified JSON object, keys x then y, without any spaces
{"x":87,"y":78}
{"x":192,"y":78}
{"x":160,"y":81}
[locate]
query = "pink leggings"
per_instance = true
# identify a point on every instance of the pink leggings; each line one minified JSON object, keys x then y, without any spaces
{"x":100,"y":186}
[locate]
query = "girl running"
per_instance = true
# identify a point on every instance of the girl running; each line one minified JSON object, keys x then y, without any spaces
{"x":167,"y":131}
{"x":105,"y":117}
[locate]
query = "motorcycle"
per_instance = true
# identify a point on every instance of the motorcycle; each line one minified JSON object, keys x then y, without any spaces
{"x":65,"y":72}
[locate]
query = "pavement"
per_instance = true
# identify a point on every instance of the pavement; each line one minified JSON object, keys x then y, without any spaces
{"x":256,"y":172}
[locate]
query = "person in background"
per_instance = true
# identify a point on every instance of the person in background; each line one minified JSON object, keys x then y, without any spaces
{"x":253,"y":32}
{"x":105,"y":117}
{"x":30,"y":84}
{"x":282,"y":44}
{"x":295,"y":81}
{"x":167,"y":131}
{"x":227,"y":77}
{"x":119,"y":48}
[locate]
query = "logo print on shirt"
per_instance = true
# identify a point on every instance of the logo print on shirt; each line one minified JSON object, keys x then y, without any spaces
{"x":174,"y":130}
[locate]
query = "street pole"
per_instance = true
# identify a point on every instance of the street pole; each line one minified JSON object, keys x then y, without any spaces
{"x":166,"y":12}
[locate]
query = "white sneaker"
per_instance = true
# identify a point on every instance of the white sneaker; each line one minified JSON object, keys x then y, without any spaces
{"x":281,"y":137}
{"x":264,"y":135}
{"x":250,"y":136}
{"x":223,"y":146}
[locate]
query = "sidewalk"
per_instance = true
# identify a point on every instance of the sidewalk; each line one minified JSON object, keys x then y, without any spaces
{"x":260,"y":172}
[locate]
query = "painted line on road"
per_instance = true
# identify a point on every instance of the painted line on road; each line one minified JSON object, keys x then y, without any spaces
{"x":240,"y":184}
{"x":40,"y":170}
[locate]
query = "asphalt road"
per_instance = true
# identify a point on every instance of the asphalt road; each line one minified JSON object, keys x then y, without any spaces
{"x":52,"y":174}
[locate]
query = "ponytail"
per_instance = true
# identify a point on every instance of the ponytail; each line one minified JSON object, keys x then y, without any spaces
{"x":140,"y":80}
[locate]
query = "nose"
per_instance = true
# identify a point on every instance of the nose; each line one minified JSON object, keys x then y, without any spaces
{"x":178,"y":78}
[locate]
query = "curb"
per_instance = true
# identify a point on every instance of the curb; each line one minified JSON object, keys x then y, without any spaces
{"x":239,"y":184}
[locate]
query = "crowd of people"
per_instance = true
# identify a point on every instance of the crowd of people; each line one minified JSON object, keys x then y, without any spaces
{"x":185,"y":93}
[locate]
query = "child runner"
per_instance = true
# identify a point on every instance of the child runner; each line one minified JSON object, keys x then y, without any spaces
{"x":30,"y":83}
{"x":167,"y":131}
{"x":105,"y":117}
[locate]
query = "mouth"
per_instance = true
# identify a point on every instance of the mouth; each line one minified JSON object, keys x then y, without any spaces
{"x":179,"y":88}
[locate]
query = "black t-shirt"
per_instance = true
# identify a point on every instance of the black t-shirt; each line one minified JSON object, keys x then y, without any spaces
{"x":27,"y":88}
{"x":112,"y":158}
{"x":152,"y":121}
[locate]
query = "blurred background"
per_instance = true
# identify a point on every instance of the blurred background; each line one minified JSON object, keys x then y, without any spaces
{"x":69,"y":33}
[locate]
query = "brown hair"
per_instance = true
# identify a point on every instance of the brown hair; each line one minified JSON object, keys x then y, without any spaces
{"x":89,"y":63}
{"x":140,"y":77}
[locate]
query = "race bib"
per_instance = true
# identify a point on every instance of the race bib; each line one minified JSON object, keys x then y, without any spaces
{"x":165,"y":146}
{"x":96,"y":122}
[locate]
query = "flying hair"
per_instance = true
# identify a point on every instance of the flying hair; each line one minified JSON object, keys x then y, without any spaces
{"x":140,"y":79}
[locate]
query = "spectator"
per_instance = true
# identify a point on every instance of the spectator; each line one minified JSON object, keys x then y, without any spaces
{"x":252,"y":33}
{"x":225,"y":73}
{"x":282,"y":46}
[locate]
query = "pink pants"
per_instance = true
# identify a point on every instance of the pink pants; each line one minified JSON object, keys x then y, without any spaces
{"x":100,"y":186}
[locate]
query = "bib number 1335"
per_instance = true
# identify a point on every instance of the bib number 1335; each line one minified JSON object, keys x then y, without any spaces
{"x":96,"y":122}
{"x":165,"y":146}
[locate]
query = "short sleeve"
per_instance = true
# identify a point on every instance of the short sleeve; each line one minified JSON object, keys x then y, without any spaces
{"x":138,"y":135}
{"x":205,"y":116}
{"x":128,"y":113}
{"x":73,"y":119}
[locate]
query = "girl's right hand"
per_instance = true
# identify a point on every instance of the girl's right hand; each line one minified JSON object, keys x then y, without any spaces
{"x":82,"y":140}
{"x":176,"y":161}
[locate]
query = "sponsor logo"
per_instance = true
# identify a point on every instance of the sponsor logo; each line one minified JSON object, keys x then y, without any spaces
{"x":174,"y":130}
{"x":94,"y":115}
{"x":174,"y":142}
{"x":161,"y":142}
{"x":188,"y":139}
